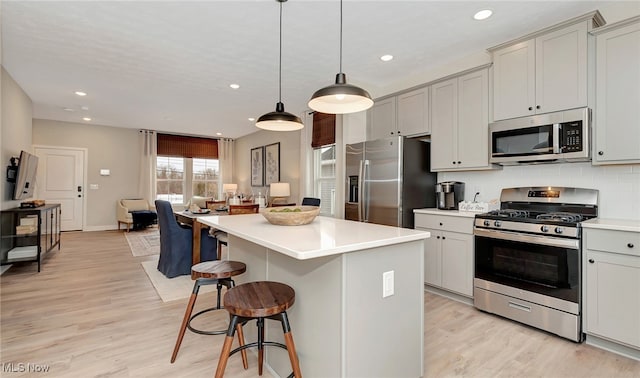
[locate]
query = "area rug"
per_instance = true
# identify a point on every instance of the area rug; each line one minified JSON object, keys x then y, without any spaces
{"x":171,"y":289}
{"x":144,"y":242}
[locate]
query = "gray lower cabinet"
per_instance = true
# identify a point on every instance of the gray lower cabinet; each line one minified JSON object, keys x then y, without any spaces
{"x":611,"y":266}
{"x":448,"y":253}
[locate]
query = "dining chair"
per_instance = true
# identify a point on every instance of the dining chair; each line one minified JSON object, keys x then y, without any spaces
{"x":310,"y":201}
{"x":176,"y":242}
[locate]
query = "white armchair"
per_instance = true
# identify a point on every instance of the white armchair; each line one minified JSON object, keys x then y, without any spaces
{"x":124,"y":208}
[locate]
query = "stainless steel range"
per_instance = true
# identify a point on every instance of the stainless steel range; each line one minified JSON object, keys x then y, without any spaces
{"x":527,"y":257}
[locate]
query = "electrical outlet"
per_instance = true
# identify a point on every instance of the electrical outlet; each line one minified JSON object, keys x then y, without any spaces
{"x":387,"y":284}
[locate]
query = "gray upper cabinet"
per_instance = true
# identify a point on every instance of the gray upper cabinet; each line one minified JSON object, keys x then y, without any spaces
{"x":381,"y":119}
{"x":460,"y":123}
{"x":544,"y":72}
{"x":617,"y":111}
{"x":404,"y":114}
{"x":413,"y":112}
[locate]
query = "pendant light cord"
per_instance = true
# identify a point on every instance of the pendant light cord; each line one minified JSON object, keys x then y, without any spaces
{"x":280,"y":60}
{"x":340,"y":36}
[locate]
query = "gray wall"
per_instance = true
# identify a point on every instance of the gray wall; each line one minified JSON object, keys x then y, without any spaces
{"x":112,"y":148}
{"x":16,"y":130}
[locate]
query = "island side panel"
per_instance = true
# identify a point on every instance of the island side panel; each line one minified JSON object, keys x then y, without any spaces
{"x":384,"y":337}
{"x":253,"y":255}
{"x":315,"y":317}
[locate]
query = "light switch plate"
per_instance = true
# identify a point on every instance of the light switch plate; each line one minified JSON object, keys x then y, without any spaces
{"x":387,"y":284}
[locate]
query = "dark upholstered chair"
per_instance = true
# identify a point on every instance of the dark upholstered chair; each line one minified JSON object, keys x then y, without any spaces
{"x":309,"y":201}
{"x":176,"y":243}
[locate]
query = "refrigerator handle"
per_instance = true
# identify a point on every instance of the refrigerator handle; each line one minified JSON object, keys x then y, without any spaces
{"x":365,"y":198}
{"x":360,"y":190}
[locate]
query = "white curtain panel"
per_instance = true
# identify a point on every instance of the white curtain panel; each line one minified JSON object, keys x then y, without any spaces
{"x":148,"y":155}
{"x":225,"y":159}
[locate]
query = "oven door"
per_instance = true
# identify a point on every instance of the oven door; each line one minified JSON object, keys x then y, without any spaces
{"x":546,"y":266}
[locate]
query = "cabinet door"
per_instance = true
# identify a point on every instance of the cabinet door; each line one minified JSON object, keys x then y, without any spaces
{"x":473,"y":120}
{"x":457,"y":263}
{"x":413,"y":112}
{"x":561,"y":69}
{"x":617,"y":114}
{"x":612,"y":300}
{"x":381,"y":119}
{"x":444,"y":124}
{"x":514,"y":81}
{"x":433,"y":258}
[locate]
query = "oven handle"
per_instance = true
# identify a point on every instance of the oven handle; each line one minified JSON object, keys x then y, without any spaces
{"x":535,"y":239}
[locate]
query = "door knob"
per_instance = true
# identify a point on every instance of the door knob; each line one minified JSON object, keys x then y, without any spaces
{"x":600,"y":153}
{"x":79,"y":188}
{"x":630,"y":245}
{"x":591,"y":261}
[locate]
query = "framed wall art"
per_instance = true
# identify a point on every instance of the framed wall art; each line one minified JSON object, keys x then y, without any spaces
{"x":257,"y":166}
{"x":272,"y":163}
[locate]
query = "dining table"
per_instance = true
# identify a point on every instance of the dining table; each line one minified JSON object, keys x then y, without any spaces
{"x":190,"y":218}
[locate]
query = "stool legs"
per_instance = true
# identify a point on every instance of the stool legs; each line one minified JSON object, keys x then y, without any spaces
{"x":235,"y":325}
{"x":185,"y":320}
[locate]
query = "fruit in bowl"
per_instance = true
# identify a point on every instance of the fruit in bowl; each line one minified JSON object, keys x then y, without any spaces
{"x":290,"y":215}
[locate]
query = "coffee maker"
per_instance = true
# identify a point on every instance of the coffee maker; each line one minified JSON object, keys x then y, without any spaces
{"x":449,"y":194}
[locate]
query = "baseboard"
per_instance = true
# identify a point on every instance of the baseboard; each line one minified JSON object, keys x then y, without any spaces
{"x":613,"y":347}
{"x":101,"y":228}
{"x":449,"y":294}
{"x":4,"y":268}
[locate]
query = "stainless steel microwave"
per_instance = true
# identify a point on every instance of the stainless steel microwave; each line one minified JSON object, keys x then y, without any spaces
{"x":545,"y":138}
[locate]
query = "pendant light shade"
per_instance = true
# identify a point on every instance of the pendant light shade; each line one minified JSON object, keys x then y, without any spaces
{"x":340,"y":98}
{"x":279,"y":120}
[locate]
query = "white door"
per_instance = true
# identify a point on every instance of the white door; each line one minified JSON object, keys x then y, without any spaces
{"x":60,"y":179}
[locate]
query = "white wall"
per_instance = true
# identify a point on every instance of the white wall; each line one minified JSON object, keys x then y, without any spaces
{"x":289,"y":160}
{"x":16,"y":117}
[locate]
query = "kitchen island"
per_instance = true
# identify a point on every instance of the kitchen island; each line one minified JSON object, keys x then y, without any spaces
{"x":341,"y":323}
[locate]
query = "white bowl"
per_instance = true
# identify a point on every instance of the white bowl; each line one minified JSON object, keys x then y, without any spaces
{"x":288,"y":216}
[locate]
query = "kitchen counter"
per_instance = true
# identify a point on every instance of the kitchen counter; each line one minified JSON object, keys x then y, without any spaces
{"x":455,"y":213}
{"x":612,"y":224}
{"x":344,"y":322}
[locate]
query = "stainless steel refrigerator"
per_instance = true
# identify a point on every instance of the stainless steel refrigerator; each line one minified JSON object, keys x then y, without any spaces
{"x":387,"y":179}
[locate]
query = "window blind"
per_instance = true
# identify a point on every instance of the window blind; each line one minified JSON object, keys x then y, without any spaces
{"x":324,"y":129}
{"x":187,"y":146}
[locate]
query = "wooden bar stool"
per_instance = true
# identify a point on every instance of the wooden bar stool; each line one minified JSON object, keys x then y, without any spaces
{"x":216,"y":272}
{"x":258,"y":300}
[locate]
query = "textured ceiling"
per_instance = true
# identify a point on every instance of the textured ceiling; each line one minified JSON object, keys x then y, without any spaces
{"x":168,"y":65}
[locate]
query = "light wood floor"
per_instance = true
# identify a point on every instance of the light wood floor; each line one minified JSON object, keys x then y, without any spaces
{"x":92,"y":312}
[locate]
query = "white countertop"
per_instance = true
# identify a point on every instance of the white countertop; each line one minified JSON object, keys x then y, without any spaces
{"x":612,"y":224}
{"x":325,"y":236}
{"x":455,"y":213}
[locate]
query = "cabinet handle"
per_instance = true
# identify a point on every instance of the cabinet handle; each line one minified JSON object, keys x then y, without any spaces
{"x":600,"y":153}
{"x":440,"y":223}
{"x":443,"y":238}
{"x":591,"y":261}
{"x":530,"y":108}
{"x":437,"y":237}
{"x":459,"y":162}
{"x":630,"y":245}
{"x":453,"y":162}
{"x":537,"y":106}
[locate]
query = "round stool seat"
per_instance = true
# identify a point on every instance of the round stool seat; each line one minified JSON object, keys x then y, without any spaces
{"x":217,"y":269}
{"x":259,"y":299}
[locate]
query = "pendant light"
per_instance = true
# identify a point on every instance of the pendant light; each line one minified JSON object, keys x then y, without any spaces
{"x":279,"y":120}
{"x":340,"y":98}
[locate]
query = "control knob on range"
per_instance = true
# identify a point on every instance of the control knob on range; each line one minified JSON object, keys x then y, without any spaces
{"x":544,"y":228}
{"x":497,"y":223}
{"x":486,"y":222}
{"x":559,"y":230}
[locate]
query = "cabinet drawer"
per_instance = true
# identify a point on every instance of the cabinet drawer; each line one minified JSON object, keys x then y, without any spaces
{"x":446,"y":223}
{"x":624,"y":242}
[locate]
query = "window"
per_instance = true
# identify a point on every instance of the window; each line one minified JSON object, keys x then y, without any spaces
{"x":170,"y":178}
{"x":172,"y":182}
{"x":324,"y":165}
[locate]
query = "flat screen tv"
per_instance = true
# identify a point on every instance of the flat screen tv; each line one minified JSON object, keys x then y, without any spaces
{"x":25,"y":176}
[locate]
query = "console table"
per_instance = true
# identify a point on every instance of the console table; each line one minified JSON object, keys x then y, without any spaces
{"x":29,"y":234}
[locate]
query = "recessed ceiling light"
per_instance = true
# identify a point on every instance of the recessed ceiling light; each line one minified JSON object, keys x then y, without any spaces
{"x":218,"y":133}
{"x":86,"y":119}
{"x":80,"y":93}
{"x":386,"y":58}
{"x":251,"y":119}
{"x":234,"y":86}
{"x":483,"y":14}
{"x":68,"y":110}
{"x":84,"y":107}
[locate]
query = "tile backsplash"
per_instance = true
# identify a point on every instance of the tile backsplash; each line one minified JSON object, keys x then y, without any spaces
{"x":619,"y":185}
